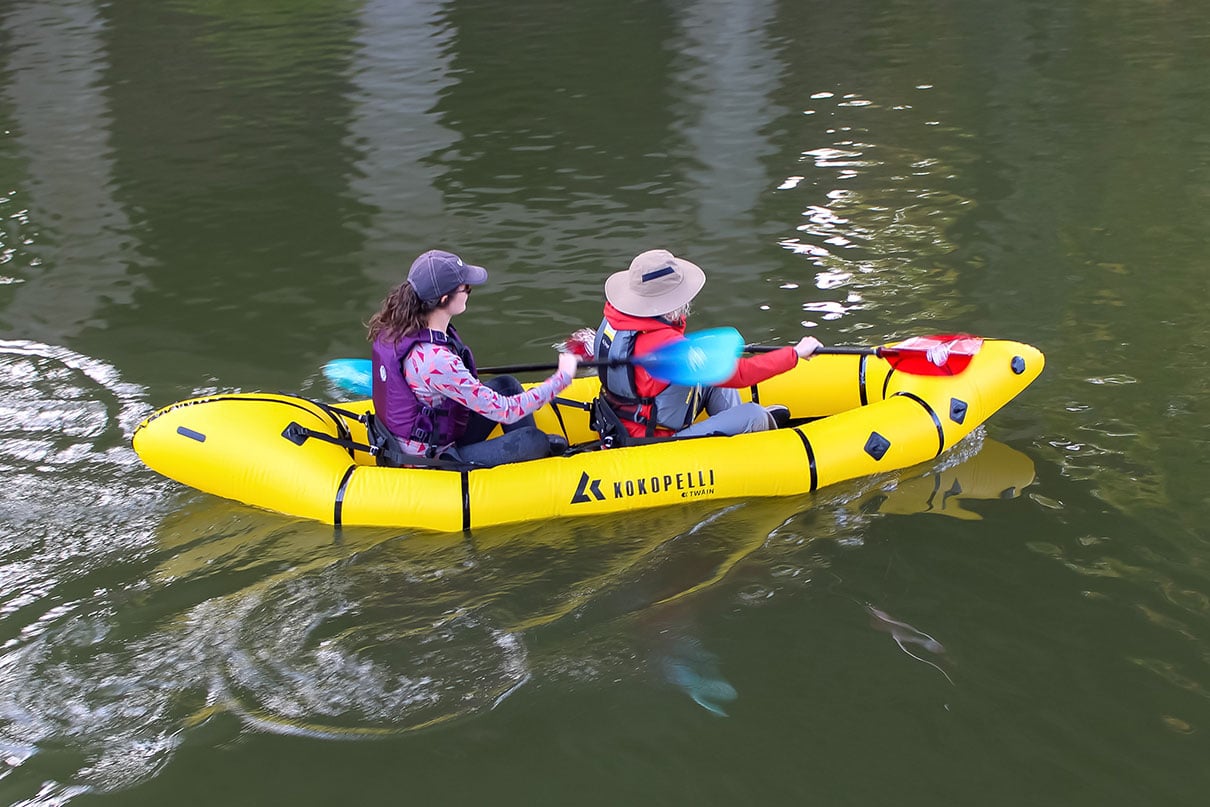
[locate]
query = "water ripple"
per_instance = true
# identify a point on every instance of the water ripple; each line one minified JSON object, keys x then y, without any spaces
{"x":877,"y":215}
{"x":342,"y":653}
{"x":75,"y":503}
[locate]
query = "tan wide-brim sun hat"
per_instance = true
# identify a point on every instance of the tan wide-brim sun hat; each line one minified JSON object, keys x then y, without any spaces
{"x":656,"y":282}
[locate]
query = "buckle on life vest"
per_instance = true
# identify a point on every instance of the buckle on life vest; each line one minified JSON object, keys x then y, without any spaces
{"x":631,"y":412}
{"x":624,"y":409}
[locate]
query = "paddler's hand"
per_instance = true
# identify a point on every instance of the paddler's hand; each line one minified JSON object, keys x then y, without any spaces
{"x":568,"y":363}
{"x":807,"y":346}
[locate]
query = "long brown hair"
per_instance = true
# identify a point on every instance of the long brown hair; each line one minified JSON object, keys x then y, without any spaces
{"x":402,"y":312}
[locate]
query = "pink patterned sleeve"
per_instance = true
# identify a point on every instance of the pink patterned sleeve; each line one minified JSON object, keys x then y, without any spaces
{"x":444,"y":372}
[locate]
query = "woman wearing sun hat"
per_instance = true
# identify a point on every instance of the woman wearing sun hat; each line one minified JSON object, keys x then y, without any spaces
{"x":648,"y":306}
{"x":428,"y":399}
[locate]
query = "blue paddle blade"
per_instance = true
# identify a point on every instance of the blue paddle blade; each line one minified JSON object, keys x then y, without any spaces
{"x":706,"y":357}
{"x":351,"y":375}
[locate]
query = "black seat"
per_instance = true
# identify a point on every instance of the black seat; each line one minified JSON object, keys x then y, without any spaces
{"x":608,"y":423}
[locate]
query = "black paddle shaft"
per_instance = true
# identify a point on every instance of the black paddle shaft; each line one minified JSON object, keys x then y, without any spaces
{"x":525,"y":368}
{"x":837,"y":351}
{"x":827,"y":351}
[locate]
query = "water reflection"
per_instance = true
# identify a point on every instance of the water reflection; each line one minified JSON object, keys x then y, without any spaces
{"x":368,"y":635}
{"x":728,"y":67}
{"x":904,"y":634}
{"x":400,"y":69}
{"x":877,"y":215}
{"x":981,"y":470}
{"x":77,"y":242}
{"x":690,"y":667}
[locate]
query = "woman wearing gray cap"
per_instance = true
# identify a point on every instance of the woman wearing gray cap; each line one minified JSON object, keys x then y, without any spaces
{"x":428,"y":399}
{"x":646,"y":307}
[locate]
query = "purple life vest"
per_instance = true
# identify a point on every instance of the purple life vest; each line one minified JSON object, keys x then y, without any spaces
{"x":395,"y":403}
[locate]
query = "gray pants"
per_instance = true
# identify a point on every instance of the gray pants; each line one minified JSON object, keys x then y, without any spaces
{"x":728,"y":416}
{"x":521,"y":441}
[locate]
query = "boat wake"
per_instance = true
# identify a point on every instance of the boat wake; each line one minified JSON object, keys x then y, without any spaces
{"x":79,"y":711}
{"x":372,"y":647}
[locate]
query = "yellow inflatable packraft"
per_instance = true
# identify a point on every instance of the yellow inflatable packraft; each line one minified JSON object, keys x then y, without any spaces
{"x":858,"y":416}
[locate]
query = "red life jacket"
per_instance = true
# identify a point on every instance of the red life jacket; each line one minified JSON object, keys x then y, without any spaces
{"x":653,"y":407}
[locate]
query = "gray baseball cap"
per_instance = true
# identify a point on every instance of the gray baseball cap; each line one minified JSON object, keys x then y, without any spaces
{"x":436,"y":273}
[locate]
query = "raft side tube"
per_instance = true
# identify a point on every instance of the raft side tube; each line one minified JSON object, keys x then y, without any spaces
{"x":873,"y":439}
{"x":619,"y":480}
{"x":426,"y":498}
{"x":825,"y":385}
{"x":193,"y":442}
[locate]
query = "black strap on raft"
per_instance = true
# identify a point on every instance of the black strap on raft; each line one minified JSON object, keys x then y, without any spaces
{"x":585,"y":405}
{"x":345,"y":413}
{"x":384,"y":447}
{"x":299,"y":434}
{"x":391,"y":454}
{"x":554,"y":407}
{"x":607,"y":422}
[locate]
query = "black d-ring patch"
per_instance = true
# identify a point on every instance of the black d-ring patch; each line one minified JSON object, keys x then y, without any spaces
{"x":877,"y":446}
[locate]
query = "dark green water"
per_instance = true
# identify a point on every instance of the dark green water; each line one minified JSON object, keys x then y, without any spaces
{"x":213,"y":196}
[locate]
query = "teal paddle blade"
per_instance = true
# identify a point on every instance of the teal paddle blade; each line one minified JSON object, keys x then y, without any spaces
{"x":705,"y":358}
{"x":351,"y":375}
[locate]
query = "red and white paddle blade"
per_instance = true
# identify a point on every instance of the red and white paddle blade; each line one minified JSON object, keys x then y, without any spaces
{"x":580,"y":343}
{"x":939,"y":354}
